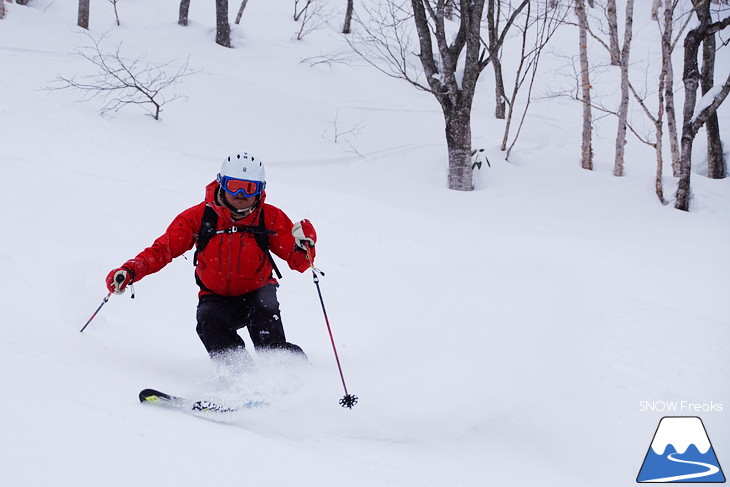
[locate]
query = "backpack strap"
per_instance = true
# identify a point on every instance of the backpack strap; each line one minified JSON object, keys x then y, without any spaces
{"x":262,"y":238}
{"x":208,"y":230}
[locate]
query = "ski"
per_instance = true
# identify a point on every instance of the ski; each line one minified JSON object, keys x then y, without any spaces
{"x":151,"y":396}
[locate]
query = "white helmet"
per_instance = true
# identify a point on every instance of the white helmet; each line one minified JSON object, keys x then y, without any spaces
{"x":243,"y":166}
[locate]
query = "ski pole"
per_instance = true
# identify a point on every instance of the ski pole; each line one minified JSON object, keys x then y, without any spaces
{"x":106,"y":298}
{"x":119,"y":279}
{"x":348,"y":400}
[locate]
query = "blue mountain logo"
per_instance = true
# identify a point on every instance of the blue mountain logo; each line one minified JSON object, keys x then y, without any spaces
{"x":680,"y":452}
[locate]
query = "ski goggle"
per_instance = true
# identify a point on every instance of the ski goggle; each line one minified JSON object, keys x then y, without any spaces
{"x":243,"y":187}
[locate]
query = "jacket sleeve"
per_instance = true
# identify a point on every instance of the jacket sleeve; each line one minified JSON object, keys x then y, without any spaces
{"x":178,"y":239}
{"x":282,"y":241}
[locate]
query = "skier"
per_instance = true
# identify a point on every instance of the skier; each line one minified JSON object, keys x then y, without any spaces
{"x":233,"y":230}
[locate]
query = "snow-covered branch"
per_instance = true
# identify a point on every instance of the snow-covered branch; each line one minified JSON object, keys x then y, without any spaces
{"x":709,"y":103}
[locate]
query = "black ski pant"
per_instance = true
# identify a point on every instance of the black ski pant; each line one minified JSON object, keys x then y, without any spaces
{"x":220,"y":318}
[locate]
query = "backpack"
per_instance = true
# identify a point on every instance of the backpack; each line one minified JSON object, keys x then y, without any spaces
{"x":208,"y":230}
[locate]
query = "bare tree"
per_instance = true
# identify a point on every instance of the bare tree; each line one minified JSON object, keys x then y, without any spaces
{"x":495,"y":14}
{"x":619,"y":56}
{"x":449,"y":63}
{"x":622,"y":58}
{"x":449,"y":9}
{"x":655,"y":6}
{"x":454,"y":97}
{"x":586,"y":152}
{"x":668,"y":45}
{"x":659,"y":134}
{"x":623,"y":111}
{"x":665,"y":94}
{"x":658,"y":144}
{"x":523,"y":70}
{"x":442,"y":76}
{"x":493,"y":18}
{"x":116,"y":13}
{"x":612,"y":17}
{"x":298,"y":12}
{"x":2,"y":9}
{"x":347,"y":27}
{"x":658,"y":122}
{"x":184,"y":10}
{"x":666,"y":80}
{"x":240,"y":11}
{"x":83,"y":19}
{"x":665,"y":77}
{"x":693,"y":122}
{"x":223,"y":28}
{"x":346,"y":135}
{"x":715,"y":162}
{"x":120,"y":82}
{"x":309,"y":18}
{"x":540,"y":24}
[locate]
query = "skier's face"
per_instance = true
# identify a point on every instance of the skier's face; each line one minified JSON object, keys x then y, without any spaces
{"x":239,"y":202}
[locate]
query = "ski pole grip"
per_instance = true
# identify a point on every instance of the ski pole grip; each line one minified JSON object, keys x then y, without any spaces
{"x":119,"y":278}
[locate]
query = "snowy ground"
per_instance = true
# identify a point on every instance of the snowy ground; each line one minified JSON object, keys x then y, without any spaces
{"x":506,"y":336}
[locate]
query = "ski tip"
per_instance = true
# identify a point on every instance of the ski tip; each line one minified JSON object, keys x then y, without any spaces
{"x":151,"y":395}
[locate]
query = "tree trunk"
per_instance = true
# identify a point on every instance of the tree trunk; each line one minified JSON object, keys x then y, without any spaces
{"x":658,"y":184}
{"x":116,"y":13}
{"x":449,"y":10}
{"x":623,"y":110}
{"x":184,"y":9}
{"x":659,"y":144}
{"x":83,"y":20}
{"x":612,"y":18}
{"x":458,"y":141}
{"x":452,"y":78}
{"x":655,"y":5}
{"x":690,"y":129}
{"x":346,"y":28}
{"x":672,"y":120}
{"x":683,"y":186}
{"x":499,"y":94}
{"x":690,"y":77}
{"x":223,"y":28}
{"x":715,"y":162}
{"x":668,"y":68}
{"x":586,"y":157}
{"x":493,"y":32}
{"x":518,"y":79}
{"x":692,"y":123}
{"x":240,"y":11}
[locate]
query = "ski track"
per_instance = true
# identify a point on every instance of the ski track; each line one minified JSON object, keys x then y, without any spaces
{"x":711,"y":470}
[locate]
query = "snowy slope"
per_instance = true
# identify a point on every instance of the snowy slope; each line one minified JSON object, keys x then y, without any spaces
{"x":504,"y":336}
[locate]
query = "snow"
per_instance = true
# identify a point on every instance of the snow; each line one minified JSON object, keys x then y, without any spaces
{"x":504,"y":336}
{"x":681,"y":433}
{"x":706,"y":100}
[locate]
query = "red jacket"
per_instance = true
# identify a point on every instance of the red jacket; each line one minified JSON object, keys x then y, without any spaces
{"x":232,"y":263}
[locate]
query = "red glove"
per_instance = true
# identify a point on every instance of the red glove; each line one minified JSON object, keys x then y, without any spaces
{"x":117,"y":280}
{"x":304,"y":234}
